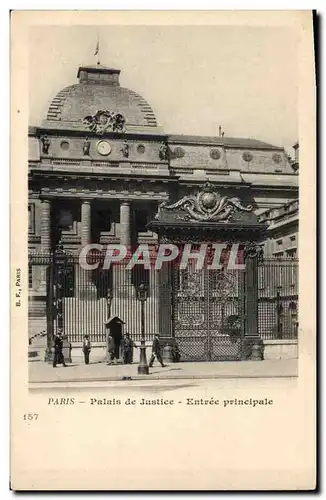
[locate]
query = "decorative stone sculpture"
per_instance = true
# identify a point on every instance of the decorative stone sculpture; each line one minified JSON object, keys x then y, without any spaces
{"x":105,"y":121}
{"x":163,"y":152}
{"x":125,"y":149}
{"x":45,"y":144}
{"x":253,"y":250}
{"x":86,"y":147}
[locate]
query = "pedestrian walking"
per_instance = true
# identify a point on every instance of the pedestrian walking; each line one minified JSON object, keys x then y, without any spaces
{"x":128,"y":349}
{"x":58,"y":354}
{"x":156,"y":351}
{"x":111,"y":349}
{"x":86,"y":349}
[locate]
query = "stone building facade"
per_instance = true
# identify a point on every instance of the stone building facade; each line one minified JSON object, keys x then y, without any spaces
{"x":100,"y":166}
{"x":283,"y":230}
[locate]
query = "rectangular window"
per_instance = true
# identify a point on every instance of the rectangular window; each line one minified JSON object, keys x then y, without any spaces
{"x":292,"y":253}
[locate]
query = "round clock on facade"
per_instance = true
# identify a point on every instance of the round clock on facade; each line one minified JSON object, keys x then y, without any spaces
{"x":104,"y":148}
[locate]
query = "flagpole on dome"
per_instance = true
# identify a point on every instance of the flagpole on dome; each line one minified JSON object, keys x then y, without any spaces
{"x":97,"y":51}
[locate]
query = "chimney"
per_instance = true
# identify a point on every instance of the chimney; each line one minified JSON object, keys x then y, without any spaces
{"x":99,"y":75}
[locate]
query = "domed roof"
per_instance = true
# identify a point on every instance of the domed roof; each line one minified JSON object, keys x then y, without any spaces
{"x":98,"y":90}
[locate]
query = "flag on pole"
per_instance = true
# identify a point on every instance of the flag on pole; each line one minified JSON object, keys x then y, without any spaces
{"x":97,"y":48}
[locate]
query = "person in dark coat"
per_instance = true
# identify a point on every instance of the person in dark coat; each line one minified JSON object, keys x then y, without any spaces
{"x":128,"y":349}
{"x":86,"y":349}
{"x":156,"y":352}
{"x":111,"y":349}
{"x":58,"y":354}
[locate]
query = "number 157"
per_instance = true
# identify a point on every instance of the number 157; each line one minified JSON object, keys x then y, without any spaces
{"x":30,"y":416}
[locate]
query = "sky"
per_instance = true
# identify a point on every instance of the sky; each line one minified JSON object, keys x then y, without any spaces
{"x":196,"y":78}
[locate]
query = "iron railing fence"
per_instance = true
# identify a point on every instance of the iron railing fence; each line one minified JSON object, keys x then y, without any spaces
{"x":278,"y":298}
{"x":87,"y":298}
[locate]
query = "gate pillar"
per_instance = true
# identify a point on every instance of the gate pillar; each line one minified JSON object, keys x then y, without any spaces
{"x":55,"y":309}
{"x":165,"y":306}
{"x":252,"y":347}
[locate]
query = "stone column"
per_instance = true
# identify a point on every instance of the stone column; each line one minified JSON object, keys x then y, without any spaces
{"x":125,"y":233}
{"x":45,"y":243}
{"x":252,"y":343}
{"x":125,"y":239}
{"x":85,"y":287}
{"x":85,"y":222}
{"x":46,"y":226}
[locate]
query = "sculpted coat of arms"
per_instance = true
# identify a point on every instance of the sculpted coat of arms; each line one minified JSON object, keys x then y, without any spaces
{"x":208,"y":205}
{"x":105,"y":121}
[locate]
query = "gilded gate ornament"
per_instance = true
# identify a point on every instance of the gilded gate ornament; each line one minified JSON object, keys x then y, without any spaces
{"x":207,"y":205}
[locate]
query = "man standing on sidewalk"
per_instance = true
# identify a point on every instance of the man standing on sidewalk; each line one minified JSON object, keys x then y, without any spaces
{"x":156,"y":351}
{"x":86,"y":348}
{"x":128,"y":349}
{"x":58,"y":354}
{"x":111,"y":350}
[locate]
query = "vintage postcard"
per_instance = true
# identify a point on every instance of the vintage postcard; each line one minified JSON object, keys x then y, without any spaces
{"x":162,"y":253}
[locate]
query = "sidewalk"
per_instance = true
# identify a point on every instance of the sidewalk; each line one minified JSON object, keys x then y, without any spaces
{"x":40,"y":372}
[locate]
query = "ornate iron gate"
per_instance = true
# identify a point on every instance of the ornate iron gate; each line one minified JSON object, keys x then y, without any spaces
{"x":208,"y":313}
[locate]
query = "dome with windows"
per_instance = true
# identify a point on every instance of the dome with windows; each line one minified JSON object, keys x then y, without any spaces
{"x":98,"y":99}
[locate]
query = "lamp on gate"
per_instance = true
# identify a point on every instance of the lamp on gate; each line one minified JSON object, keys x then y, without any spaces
{"x":142,"y":296}
{"x":142,"y":292}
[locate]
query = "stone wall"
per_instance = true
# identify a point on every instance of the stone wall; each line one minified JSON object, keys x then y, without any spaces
{"x":280,"y":349}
